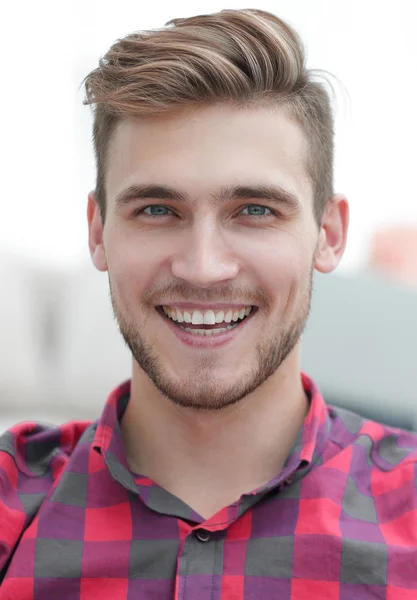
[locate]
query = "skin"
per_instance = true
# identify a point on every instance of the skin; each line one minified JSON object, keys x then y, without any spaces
{"x":209,"y":425}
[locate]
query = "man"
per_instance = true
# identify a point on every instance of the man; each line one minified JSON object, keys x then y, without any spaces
{"x":217,"y":472}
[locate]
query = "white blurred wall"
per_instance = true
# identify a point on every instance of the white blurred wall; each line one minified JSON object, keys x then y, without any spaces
{"x":47,"y":165}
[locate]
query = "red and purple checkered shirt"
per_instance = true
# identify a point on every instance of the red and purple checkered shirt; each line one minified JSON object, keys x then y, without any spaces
{"x":338,"y":522}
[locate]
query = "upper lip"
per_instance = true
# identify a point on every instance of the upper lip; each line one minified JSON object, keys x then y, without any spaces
{"x":194,"y":306}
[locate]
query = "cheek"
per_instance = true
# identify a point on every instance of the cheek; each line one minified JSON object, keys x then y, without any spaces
{"x":125,"y":254}
{"x":128,"y":274}
{"x":134,"y":271}
{"x":132,"y":250}
{"x":280,"y":265}
{"x":284,"y":274}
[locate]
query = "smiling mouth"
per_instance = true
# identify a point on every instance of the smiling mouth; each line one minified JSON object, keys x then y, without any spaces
{"x":208,"y":330}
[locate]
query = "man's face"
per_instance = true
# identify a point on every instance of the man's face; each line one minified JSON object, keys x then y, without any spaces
{"x":241,"y":249}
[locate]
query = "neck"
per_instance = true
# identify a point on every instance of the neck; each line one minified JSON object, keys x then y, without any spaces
{"x":228,"y":452}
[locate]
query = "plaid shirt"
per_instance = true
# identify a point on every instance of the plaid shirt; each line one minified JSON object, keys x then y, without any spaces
{"x":338,"y":522}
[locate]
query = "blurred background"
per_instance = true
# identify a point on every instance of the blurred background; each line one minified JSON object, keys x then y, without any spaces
{"x":60,"y":351}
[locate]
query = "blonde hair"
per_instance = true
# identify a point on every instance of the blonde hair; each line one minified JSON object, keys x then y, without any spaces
{"x":245,"y":57}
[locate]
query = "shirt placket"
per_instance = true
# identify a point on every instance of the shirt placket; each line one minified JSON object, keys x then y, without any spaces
{"x":200,"y":565}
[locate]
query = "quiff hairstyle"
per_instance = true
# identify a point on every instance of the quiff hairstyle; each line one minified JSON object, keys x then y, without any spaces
{"x":246,"y":58}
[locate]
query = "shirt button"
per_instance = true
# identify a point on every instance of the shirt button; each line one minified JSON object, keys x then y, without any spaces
{"x":203,"y":535}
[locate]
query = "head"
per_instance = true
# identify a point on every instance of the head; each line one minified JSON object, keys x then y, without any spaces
{"x":214,"y":150}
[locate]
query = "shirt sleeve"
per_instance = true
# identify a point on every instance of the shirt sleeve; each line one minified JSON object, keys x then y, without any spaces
{"x":12,"y":513}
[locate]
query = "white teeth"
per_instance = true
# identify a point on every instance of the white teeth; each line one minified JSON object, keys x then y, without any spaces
{"x":208,"y":317}
{"x":228,"y":316}
{"x":197,"y":318}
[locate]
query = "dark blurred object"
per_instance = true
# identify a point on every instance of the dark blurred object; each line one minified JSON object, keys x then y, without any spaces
{"x":360,"y":346}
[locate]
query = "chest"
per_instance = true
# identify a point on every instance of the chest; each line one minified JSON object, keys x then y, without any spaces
{"x":284,"y":547}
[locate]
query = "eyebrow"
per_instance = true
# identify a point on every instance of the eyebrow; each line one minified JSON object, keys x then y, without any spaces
{"x":273,"y":193}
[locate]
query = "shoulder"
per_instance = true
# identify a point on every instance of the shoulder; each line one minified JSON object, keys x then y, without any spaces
{"x":379,"y":463}
{"x":383,"y":446}
{"x":32,"y":456}
{"x":379,"y":466}
{"x":34,"y":449}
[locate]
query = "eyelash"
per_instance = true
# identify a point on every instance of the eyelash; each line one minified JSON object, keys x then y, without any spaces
{"x":141,"y":210}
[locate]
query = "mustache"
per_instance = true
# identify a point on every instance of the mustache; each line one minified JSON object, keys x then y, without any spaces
{"x":182,"y":292}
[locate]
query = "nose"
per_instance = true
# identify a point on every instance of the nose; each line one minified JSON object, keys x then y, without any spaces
{"x":205,"y":258}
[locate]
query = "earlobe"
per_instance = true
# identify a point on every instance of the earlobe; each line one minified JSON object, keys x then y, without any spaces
{"x":95,"y":234}
{"x":333,"y":235}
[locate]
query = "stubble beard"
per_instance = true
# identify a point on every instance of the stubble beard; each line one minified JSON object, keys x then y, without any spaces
{"x":202,"y":391}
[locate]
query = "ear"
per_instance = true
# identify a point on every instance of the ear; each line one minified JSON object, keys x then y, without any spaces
{"x":333,"y":235}
{"x":95,"y":234}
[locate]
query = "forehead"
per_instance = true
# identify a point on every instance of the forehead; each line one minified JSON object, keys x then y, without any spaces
{"x":213,"y":146}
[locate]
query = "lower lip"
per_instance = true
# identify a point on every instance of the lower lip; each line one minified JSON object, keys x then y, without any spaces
{"x":202,"y":341}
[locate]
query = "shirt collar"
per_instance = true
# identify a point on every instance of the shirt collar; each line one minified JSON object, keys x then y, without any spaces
{"x":108,"y":426}
{"x":306,"y":450}
{"x":312,"y":438}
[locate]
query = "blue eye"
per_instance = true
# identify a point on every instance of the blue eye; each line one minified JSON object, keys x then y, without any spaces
{"x":157,"y":212}
{"x":258,"y":208}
